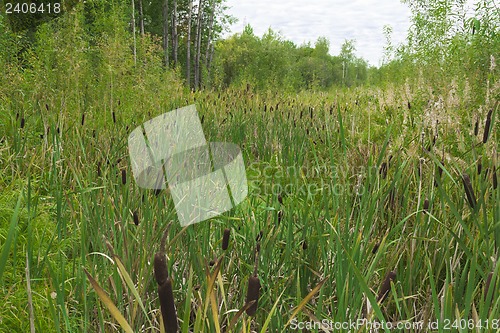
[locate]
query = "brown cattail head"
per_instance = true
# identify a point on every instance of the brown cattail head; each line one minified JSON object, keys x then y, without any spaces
{"x":304,"y":245}
{"x":386,"y":286}
{"x":99,"y":169}
{"x":22,"y":122}
{"x":476,"y":127}
{"x":280,"y":199}
{"x":160,"y":268}
{"x":479,"y":167}
{"x":280,"y":216}
{"x":83,"y":118}
{"x":253,"y":292}
{"x":167,"y":305}
{"x":114,"y":117}
{"x":375,"y":247}
{"x":469,"y":192}
{"x":426,"y":206}
{"x":487,"y":126}
{"x":487,"y":286}
{"x":383,"y":170}
{"x":136,"y":218}
{"x":225,"y":239}
{"x":494,"y":176}
{"x":124,"y":176}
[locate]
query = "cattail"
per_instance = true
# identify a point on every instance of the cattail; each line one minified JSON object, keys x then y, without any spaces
{"x":22,"y":122}
{"x":160,"y":268}
{"x":280,"y":199}
{"x":375,"y":247}
{"x":301,"y":114}
{"x":202,"y":118}
{"x":469,"y":192}
{"x":280,"y":216}
{"x":409,"y":105}
{"x":167,"y":305}
{"x":439,"y":173}
{"x":265,"y":107}
{"x":386,"y":286}
{"x":99,"y":169}
{"x":479,"y":167}
{"x":383,"y":170}
{"x":311,"y":109}
{"x":114,"y":117}
{"x":83,"y":118}
{"x":426,"y":206}
{"x":487,"y":286}
{"x":253,"y":295}
{"x":495,"y":181}
{"x":46,"y":106}
{"x":304,"y":245}
{"x":136,"y":218}
{"x":124,"y":176}
{"x":225,"y":239}
{"x":476,"y":127}
{"x":487,"y":126}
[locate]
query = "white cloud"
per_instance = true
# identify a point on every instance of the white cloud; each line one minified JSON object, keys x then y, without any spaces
{"x":337,"y":20}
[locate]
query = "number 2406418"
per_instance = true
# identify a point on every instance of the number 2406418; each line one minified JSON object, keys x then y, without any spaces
{"x":32,"y":8}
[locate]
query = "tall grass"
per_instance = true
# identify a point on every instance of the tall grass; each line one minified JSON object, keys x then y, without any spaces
{"x":314,"y":164}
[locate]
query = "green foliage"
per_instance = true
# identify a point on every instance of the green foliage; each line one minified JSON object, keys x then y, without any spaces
{"x":332,"y":175}
{"x":272,"y":62}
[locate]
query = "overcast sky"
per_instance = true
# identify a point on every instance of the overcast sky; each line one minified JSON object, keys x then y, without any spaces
{"x":304,"y":21}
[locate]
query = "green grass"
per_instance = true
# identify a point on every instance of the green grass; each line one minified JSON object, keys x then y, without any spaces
{"x":63,"y":205}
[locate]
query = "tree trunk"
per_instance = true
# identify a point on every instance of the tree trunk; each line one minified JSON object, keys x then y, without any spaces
{"x":198,"y":46}
{"x":141,"y":19}
{"x":165,"y":33}
{"x":188,"y":46}
{"x":210,"y":32}
{"x":175,"y":40}
{"x":133,"y":32}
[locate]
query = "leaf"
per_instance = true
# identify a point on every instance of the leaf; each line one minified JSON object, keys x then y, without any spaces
{"x":109,"y":304}
{"x":10,"y":237}
{"x":306,"y":300}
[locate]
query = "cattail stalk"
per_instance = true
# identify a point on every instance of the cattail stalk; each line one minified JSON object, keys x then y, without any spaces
{"x":253,"y":289}
{"x":487,"y":126}
{"x":165,"y":291}
{"x":124,"y":176}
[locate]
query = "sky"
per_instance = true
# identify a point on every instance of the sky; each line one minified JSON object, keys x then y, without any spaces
{"x":304,"y":21}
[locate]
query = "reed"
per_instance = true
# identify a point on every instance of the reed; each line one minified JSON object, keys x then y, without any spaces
{"x":469,"y":192}
{"x":385,"y":287}
{"x":225,"y":239}
{"x":136,"y":218}
{"x":253,"y":288}
{"x":426,"y":206}
{"x":487,"y":126}
{"x":165,"y":291}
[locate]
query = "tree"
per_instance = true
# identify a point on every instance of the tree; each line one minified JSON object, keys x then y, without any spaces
{"x":198,"y":45}
{"x":165,"y":33}
{"x":188,"y":45}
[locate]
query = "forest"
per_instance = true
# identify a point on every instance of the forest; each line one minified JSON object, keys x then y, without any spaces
{"x":372,"y":199}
